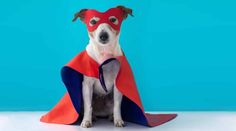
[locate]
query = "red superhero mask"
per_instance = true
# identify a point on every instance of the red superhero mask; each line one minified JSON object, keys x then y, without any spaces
{"x":113,"y":17}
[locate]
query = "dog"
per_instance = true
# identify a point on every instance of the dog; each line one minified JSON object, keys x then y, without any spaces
{"x":103,"y":44}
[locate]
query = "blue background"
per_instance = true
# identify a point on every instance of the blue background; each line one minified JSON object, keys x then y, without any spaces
{"x":183,"y":52}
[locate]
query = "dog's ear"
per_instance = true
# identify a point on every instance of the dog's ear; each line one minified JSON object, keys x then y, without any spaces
{"x":127,"y":11}
{"x":80,"y":14}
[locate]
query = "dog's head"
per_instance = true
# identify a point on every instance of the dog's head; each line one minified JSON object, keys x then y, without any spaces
{"x":103,"y":27}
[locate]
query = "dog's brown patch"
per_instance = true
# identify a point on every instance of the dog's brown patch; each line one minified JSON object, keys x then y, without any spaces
{"x":91,"y":34}
{"x":126,"y":11}
{"x":80,"y":14}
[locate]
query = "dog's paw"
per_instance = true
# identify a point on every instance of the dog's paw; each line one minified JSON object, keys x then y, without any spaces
{"x":86,"y":124}
{"x":119,"y":123}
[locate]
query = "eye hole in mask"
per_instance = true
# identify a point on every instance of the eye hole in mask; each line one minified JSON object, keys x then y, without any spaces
{"x":93,"y":21}
{"x":113,"y":20}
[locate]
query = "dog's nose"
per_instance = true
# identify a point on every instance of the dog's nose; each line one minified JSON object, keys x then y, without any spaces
{"x":103,"y":37}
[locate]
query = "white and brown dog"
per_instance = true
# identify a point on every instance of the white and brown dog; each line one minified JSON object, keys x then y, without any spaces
{"x":104,"y":32}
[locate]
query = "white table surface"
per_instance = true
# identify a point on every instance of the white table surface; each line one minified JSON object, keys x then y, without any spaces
{"x":186,"y":121}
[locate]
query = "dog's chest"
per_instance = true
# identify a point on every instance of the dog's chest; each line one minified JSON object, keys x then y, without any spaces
{"x":98,"y":89}
{"x":110,"y":72}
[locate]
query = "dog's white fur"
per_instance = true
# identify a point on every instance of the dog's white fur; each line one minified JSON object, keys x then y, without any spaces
{"x":96,"y":101}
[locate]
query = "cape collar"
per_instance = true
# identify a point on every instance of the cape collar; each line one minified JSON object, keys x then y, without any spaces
{"x":86,"y":65}
{"x":100,"y":69}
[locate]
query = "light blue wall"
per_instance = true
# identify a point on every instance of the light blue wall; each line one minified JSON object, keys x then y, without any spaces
{"x":183,"y":52}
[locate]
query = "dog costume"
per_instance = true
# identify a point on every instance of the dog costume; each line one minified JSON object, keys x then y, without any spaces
{"x":68,"y":109}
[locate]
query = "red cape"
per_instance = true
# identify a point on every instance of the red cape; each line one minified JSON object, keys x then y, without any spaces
{"x":68,"y":109}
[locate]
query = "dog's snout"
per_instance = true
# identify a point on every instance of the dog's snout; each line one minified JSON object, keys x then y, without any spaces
{"x":103,"y":37}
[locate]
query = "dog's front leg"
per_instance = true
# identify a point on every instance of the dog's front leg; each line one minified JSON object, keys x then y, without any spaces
{"x":87,"y":92}
{"x":118,"y":122}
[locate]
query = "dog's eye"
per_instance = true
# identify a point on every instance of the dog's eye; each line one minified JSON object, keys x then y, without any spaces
{"x":93,"y":21}
{"x":113,"y":19}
